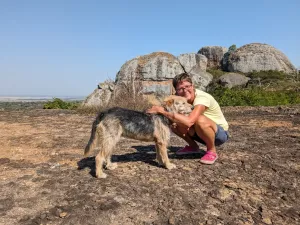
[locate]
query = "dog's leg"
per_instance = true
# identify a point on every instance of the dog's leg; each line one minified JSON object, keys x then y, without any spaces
{"x":162,"y":154}
{"x":110,"y":135}
{"x":161,"y":138}
{"x":158,"y":156}
{"x":115,"y":137}
{"x":109,"y":164}
{"x":99,"y":165}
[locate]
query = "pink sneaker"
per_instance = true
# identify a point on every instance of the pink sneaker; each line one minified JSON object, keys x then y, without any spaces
{"x":188,"y":150}
{"x":209,"y":157}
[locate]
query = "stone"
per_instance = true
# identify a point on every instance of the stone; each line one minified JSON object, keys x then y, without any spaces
{"x":230,"y":80}
{"x":259,"y":57}
{"x":201,"y":79}
{"x":157,"y":66}
{"x":63,"y":214}
{"x":214,"y":55}
{"x":100,"y":96}
{"x":191,"y":60}
{"x":157,"y":87}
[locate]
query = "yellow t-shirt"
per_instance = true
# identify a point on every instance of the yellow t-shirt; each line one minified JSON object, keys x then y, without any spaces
{"x":213,"y":110}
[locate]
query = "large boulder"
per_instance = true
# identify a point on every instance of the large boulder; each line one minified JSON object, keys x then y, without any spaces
{"x":231,"y":80}
{"x":191,"y":60}
{"x":259,"y":57}
{"x":100,"y":96}
{"x":214,"y":55}
{"x":200,"y":78}
{"x":157,"y":87}
{"x":157,"y":66}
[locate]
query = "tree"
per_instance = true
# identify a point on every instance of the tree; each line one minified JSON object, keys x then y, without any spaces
{"x":232,"y":48}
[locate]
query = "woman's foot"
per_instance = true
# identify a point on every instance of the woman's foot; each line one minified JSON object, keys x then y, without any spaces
{"x":209,"y":158}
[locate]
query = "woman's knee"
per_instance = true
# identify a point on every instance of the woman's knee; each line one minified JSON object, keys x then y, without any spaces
{"x":203,"y":122}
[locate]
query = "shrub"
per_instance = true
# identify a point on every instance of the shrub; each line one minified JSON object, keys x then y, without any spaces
{"x":216,"y":73}
{"x":268,"y":75}
{"x":255,"y":97}
{"x":232,"y":48}
{"x":128,"y":95}
{"x":60,"y":104}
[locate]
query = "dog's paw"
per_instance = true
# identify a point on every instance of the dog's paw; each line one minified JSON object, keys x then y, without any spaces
{"x":112,"y":166}
{"x":101,"y":175}
{"x":170,"y":166}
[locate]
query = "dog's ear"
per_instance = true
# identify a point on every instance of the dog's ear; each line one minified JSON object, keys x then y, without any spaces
{"x":168,"y":101}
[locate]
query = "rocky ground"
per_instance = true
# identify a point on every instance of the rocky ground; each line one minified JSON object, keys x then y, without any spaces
{"x":46,"y":180}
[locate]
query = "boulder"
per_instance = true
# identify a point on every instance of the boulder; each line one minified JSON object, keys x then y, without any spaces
{"x":214,"y":55}
{"x":259,"y":57}
{"x":231,"y":80}
{"x":158,"y":87}
{"x":157,"y":66}
{"x":200,"y":78}
{"x":100,"y":96}
{"x":191,"y":60}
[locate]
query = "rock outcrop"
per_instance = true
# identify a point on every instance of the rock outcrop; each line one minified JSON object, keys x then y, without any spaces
{"x":190,"y":61}
{"x":214,"y":55}
{"x":153,"y":73}
{"x":231,"y":80}
{"x":200,"y":78}
{"x":155,"y":66}
{"x":259,"y":57}
{"x":100,"y":96}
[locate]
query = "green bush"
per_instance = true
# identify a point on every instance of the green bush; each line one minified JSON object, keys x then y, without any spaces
{"x":232,"y":48}
{"x":60,"y":104}
{"x":216,"y":73}
{"x":255,"y":97}
{"x":268,"y":75}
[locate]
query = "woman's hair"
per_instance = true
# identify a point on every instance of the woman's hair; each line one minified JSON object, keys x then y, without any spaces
{"x":181,"y":77}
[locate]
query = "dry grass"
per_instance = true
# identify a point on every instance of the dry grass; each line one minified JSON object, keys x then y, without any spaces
{"x":128,"y":96}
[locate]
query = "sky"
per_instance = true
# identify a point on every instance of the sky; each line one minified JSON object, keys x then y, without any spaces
{"x":66,"y":47}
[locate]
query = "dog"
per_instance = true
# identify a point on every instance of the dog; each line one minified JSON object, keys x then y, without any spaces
{"x":112,"y":124}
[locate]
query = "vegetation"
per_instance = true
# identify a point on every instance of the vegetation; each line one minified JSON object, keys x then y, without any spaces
{"x":232,"y":48}
{"x":129,"y":95}
{"x":216,"y":73}
{"x":266,"y":88}
{"x":60,"y":104}
{"x":255,"y":96}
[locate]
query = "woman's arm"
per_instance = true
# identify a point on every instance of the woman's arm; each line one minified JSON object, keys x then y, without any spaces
{"x":187,"y":121}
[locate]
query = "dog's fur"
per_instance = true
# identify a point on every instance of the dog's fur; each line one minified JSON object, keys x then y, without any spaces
{"x":113,"y":123}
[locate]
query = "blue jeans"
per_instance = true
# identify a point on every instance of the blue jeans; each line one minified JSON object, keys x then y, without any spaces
{"x":221,"y":136}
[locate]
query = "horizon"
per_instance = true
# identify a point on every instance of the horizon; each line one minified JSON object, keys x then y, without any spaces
{"x":66,"y":48}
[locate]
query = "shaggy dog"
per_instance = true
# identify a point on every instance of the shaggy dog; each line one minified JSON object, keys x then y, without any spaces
{"x":112,"y":124}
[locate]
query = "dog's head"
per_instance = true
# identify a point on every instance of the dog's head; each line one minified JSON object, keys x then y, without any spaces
{"x":177,"y":104}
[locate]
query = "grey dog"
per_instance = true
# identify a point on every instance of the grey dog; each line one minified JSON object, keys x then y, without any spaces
{"x":110,"y":125}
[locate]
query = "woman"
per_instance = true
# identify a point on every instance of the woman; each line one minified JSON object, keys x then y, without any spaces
{"x":205,"y":124}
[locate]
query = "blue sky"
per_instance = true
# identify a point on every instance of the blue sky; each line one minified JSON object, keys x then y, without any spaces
{"x":65,"y":48}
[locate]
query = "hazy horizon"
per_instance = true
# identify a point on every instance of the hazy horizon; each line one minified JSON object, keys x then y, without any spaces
{"x":39,"y":98}
{"x":65,"y":48}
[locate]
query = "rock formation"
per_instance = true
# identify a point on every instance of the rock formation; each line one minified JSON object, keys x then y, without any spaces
{"x":100,"y":96}
{"x":214,"y":55}
{"x":153,"y":73}
{"x":259,"y":57}
{"x":231,"y":80}
{"x":190,"y":61}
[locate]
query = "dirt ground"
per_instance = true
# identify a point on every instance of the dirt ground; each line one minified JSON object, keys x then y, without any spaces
{"x":44,"y":178}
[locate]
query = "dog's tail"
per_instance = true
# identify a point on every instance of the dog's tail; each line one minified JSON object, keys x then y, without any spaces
{"x":93,"y":142}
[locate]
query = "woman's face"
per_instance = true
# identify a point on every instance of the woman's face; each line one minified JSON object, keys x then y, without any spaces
{"x":186,"y":89}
